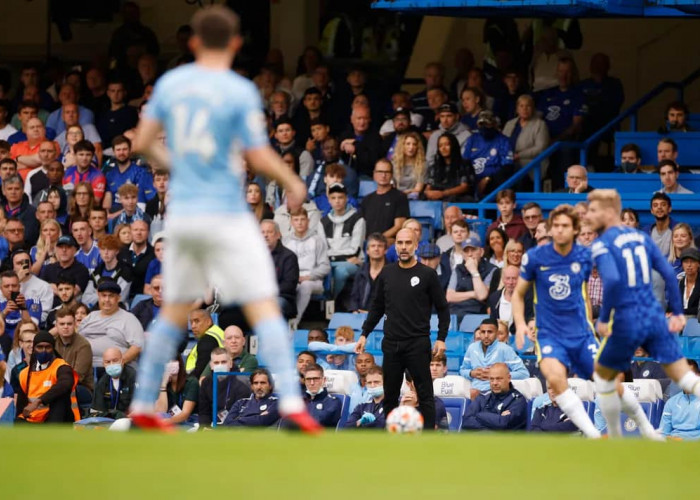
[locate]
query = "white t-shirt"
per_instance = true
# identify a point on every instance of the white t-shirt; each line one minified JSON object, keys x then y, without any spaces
{"x":6,"y":132}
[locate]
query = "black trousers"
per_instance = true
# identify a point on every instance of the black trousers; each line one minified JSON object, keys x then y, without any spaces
{"x":414,"y":356}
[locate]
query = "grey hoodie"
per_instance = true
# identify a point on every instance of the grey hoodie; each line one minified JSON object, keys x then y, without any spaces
{"x":344,"y":244}
{"x":311,"y":252}
{"x":459,"y":130}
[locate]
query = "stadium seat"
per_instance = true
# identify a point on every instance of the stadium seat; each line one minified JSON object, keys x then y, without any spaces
{"x":453,"y":364}
{"x":138,"y":298}
{"x":344,"y":409}
{"x":471,"y":321}
{"x":352,"y":320}
{"x":452,"y":386}
{"x":340,"y":381}
{"x":300,"y":340}
{"x":692,"y":328}
{"x":529,"y":387}
{"x":650,"y":396}
{"x":429,"y":214}
{"x":584,"y":389}
{"x":366,"y":187}
{"x":456,"y":408}
{"x":434,"y":323}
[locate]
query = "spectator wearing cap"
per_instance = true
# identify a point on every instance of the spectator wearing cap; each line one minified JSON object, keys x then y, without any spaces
{"x":66,"y":248}
{"x":668,"y":173}
{"x":489,"y":153}
{"x":401,"y":124}
{"x":344,"y":230}
{"x":110,"y":267}
{"x":334,"y":174}
{"x":401,"y":100}
{"x":690,"y":259}
{"x":386,"y":209}
{"x":285,"y":141}
{"x":471,"y":281}
{"x":366,"y":276}
{"x":429,"y":254}
{"x":360,"y":145}
{"x":111,"y":326}
{"x":448,"y":116}
{"x":311,"y":109}
{"x":15,"y":307}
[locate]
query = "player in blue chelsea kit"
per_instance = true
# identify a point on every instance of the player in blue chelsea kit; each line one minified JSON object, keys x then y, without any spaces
{"x":212,"y":117}
{"x":563,"y":336}
{"x":630,"y":315}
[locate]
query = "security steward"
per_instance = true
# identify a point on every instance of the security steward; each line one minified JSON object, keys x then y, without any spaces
{"x":47,"y":386}
{"x":209,"y":336}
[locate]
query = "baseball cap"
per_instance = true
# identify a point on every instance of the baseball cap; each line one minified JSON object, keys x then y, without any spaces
{"x":312,"y":91}
{"x":337,"y":187}
{"x":487,"y":117}
{"x":67,"y":239}
{"x":448,"y":107}
{"x":402,"y":111}
{"x":471,"y":242}
{"x":429,"y":251}
{"x":690,"y":253}
{"x":109,"y":286}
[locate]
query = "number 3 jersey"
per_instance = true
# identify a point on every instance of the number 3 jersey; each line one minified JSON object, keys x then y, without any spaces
{"x":560,"y":301}
{"x":210,"y":118}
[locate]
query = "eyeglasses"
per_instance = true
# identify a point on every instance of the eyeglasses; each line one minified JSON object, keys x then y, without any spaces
{"x":14,"y":229}
{"x":312,"y":379}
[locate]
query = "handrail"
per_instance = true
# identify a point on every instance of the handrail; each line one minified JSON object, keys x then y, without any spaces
{"x":583,"y":146}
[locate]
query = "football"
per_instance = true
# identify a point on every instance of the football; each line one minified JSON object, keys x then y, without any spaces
{"x":404,"y":420}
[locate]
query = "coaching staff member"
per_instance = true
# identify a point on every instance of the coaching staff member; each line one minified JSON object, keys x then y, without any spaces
{"x":406,"y":292}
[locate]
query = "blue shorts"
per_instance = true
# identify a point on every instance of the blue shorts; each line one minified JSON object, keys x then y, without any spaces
{"x":577,"y":353}
{"x":653,"y":335}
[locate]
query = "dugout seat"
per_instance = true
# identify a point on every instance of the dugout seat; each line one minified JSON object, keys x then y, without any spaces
{"x":344,"y":409}
{"x":648,"y":393}
{"x":529,"y":387}
{"x":456,"y":408}
{"x":585,"y":390}
{"x":451,"y":386}
{"x":300,"y":340}
{"x":340,"y":381}
{"x":470,"y":322}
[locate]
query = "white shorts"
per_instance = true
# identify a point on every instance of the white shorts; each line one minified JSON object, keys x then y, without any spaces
{"x":223,"y":251}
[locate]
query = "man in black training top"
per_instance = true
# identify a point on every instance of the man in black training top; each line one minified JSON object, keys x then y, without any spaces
{"x":406,"y":292}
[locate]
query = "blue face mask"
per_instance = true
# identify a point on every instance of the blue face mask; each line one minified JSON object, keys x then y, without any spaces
{"x":220,"y":368}
{"x":43,"y":357}
{"x":114,"y":370}
{"x":375,"y":392}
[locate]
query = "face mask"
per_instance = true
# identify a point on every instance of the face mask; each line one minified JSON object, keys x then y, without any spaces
{"x":220,"y":368}
{"x":114,"y":370}
{"x":488,"y":133}
{"x":628,"y":167}
{"x":312,"y":394}
{"x":173,"y":368}
{"x":44,"y":357}
{"x":375,"y":392}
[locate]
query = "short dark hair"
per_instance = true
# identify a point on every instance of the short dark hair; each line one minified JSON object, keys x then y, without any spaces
{"x":27,"y":104}
{"x":261,"y":371}
{"x":84,"y":145}
{"x":314,"y":368}
{"x":489,"y":321}
{"x":678,"y":105}
{"x":309,"y":353}
{"x":631,"y":147}
{"x":65,"y":311}
{"x":284,"y":121}
{"x":8,"y":159}
{"x":667,"y":163}
{"x":8,"y":274}
{"x":215,"y":26}
{"x":661,"y":196}
{"x":5,"y":146}
{"x":668,"y":140}
{"x":530,"y":205}
{"x":120,"y":139}
{"x":65,"y":279}
{"x":505,"y":193}
{"x":377,"y":237}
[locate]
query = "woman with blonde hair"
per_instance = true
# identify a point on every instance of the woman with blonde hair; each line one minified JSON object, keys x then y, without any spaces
{"x":42,"y":253}
{"x":681,"y":239}
{"x":409,"y":165}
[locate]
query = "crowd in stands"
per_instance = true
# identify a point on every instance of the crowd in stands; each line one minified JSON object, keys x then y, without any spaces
{"x":81,"y":227}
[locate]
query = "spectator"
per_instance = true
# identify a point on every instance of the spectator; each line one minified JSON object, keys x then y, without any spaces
{"x":74,"y":134}
{"x":491,"y":170}
{"x":71,"y":118}
{"x":542,"y":233}
{"x":54,"y":178}
{"x":399,"y":124}
{"x":155,"y":207}
{"x":256,"y":202}
{"x":366,"y":277}
{"x":308,"y":62}
{"x":128,"y":195}
{"x":66,"y":264}
{"x":17,"y":206}
{"x":209,"y":336}
{"x":586,"y":235}
{"x":449,"y":123}
{"x":68,"y":95}
{"x":65,"y":297}
{"x":527,"y":133}
{"x":286,"y":268}
{"x":437,"y":97}
{"x":451,"y":214}
{"x":278,"y":106}
{"x":88,"y":254}
{"x":12,"y":238}
{"x":14,"y":307}
{"x":451,"y":258}
{"x":115,"y":388}
{"x":344,"y":230}
{"x":343,"y":345}
{"x":147,"y":310}
{"x":677,"y":114}
{"x":666,"y":149}
{"x":482,"y":356}
{"x":630,"y":218}
{"x":179,"y":393}
{"x":125,"y":171}
{"x":231,"y":389}
{"x":690,"y":258}
{"x":668,"y":173}
{"x":119,"y":117}
{"x":387,"y":208}
{"x":304,"y":360}
{"x":322,"y":406}
{"x":111,"y":326}
{"x":371,"y":413}
{"x":499,"y":302}
{"x":473,"y":101}
{"x":603,"y":95}
{"x":501,"y":409}
{"x":310,"y":109}
{"x":95,"y":98}
{"x":681,"y":239}
{"x":109,"y":267}
{"x":84,"y":171}
{"x":31,"y":286}
{"x":434,"y":77}
{"x":260,"y":408}
{"x":18,"y":359}
{"x":26,"y":110}
{"x":681,"y":418}
{"x":532,"y":216}
{"x":38,"y":179}
{"x":630,"y":159}
{"x":577,"y":180}
{"x":438,"y":366}
{"x":76,"y":351}
{"x":495,"y":248}
{"x":400,"y":101}
{"x":312,"y":255}
{"x":508,"y":221}
{"x":410,"y":398}
{"x":6,"y":129}
{"x":285,"y":135}
{"x":317,"y":183}
{"x":409,"y":165}
{"x":47,"y":386}
{"x":358,"y":392}
{"x":550,"y":418}
{"x":320,"y":131}
{"x":660,"y":231}
{"x":468,"y":287}
{"x":335,"y":173}
{"x":360,"y":146}
{"x":138,"y":255}
{"x":647,"y":369}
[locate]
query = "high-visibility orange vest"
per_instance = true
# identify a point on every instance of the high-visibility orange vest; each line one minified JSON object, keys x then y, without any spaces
{"x":40,"y":383}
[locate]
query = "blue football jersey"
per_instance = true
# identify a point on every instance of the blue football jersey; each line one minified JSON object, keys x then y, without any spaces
{"x":559,"y":107}
{"x":559,"y":298}
{"x":210,"y":117}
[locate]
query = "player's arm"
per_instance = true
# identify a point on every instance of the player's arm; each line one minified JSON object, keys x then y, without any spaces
{"x":607,"y":269}
{"x":589,"y":306}
{"x":146,"y":142}
{"x":266,"y":161}
{"x":517,"y":302}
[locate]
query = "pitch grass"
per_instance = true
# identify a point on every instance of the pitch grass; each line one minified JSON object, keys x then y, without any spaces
{"x":97,"y":464}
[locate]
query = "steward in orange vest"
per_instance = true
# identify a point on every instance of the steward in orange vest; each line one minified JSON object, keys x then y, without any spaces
{"x":47,"y":386}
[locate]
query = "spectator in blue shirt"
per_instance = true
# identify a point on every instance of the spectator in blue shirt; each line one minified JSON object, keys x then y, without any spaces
{"x":14,"y":307}
{"x":124,"y":171}
{"x":128,"y":196}
{"x":681,"y":417}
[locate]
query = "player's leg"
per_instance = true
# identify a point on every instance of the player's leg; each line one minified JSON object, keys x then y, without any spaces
{"x":417,"y":360}
{"x":571,"y":405}
{"x":679,"y":371}
{"x":609,"y":400}
{"x":633,"y":409}
{"x":393,"y":367}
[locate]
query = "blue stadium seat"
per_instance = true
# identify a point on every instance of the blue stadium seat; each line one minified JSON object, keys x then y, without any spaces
{"x":352,"y":320}
{"x":429,"y":214}
{"x":140,"y":297}
{"x":344,"y":409}
{"x":434,"y":322}
{"x":471,"y":321}
{"x":688,"y":150}
{"x":456,"y":408}
{"x":453,"y":364}
{"x":300,"y":340}
{"x":692,"y":328}
{"x":691,"y":349}
{"x":366,"y":187}
{"x":455,"y":345}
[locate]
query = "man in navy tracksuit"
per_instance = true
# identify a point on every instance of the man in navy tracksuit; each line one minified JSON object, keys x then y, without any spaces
{"x":260,"y":409}
{"x":323,"y":407}
{"x":501,"y":409}
{"x":370,"y":415}
{"x":550,"y":418}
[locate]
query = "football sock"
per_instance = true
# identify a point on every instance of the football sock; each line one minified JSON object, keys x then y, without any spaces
{"x":161,"y":348}
{"x":634,"y":410}
{"x":610,"y":404}
{"x":690,"y":383}
{"x":573,"y":408}
{"x":275,"y":352}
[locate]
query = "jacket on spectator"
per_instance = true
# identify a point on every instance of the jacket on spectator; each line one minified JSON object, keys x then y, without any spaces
{"x":312,"y":254}
{"x":27,"y":214}
{"x":198,"y":358}
{"x":486,"y":412}
{"x":229,"y":390}
{"x":110,"y":403}
{"x":145,"y":312}
{"x":324,"y":407}
{"x":459,"y":130}
{"x":139,"y":265}
{"x":287,"y":272}
{"x":550,"y":418}
{"x":531,"y":141}
{"x":361,"y":289}
{"x":284,"y":220}
{"x":367,"y":151}
{"x":490,"y":275}
{"x":252,"y":412}
{"x":376,"y":409}
{"x":121,"y":274}
{"x":345,"y":234}
{"x":515,"y":229}
{"x":681,"y":417}
{"x":494,"y":304}
{"x":498,"y":352}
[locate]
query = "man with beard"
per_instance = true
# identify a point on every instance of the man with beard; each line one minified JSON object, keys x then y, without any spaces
{"x":660,"y":231}
{"x":124,"y":171}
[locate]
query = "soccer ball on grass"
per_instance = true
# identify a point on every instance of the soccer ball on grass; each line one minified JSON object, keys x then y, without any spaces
{"x":404,"y":420}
